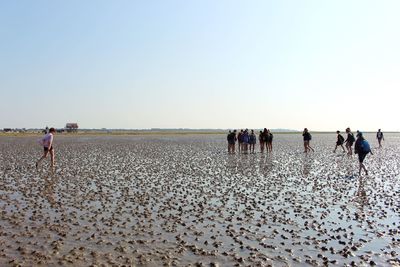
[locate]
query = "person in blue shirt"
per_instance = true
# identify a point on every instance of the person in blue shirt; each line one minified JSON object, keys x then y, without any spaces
{"x":362,"y":149}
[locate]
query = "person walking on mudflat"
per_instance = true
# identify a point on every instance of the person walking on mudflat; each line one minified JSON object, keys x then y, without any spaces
{"x":379,"y":136}
{"x":349,"y":141}
{"x":362,"y":148}
{"x":47,"y":142}
{"x":307,"y":139}
{"x":339,"y":142}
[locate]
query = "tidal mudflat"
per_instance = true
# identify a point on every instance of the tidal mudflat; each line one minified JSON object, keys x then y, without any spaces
{"x":183,"y":201}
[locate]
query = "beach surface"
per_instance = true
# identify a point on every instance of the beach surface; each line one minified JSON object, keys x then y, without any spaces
{"x":154,"y":200}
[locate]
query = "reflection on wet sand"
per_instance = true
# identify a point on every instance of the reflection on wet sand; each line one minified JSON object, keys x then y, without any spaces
{"x":180,"y":201}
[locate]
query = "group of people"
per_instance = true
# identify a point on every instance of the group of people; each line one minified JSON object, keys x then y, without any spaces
{"x":361,"y":147}
{"x":247,"y":141}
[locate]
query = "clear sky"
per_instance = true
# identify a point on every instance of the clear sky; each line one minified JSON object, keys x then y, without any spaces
{"x":324,"y":65}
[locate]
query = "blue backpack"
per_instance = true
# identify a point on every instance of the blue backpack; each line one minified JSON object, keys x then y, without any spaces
{"x":365,"y":146}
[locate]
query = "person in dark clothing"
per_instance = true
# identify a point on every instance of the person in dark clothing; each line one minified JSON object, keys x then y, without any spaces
{"x":261,"y":140}
{"x":349,"y":141}
{"x":240,"y":139}
{"x":362,"y":149}
{"x":231,"y":141}
{"x":307,"y":139}
{"x":379,"y":136}
{"x":252,"y":141}
{"x":268,"y":140}
{"x":339,"y":142}
{"x":246,"y":140}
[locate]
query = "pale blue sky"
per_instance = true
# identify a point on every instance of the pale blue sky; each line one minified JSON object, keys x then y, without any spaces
{"x":324,"y":65}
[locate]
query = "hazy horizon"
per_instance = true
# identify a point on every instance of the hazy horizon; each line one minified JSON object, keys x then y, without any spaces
{"x":276,"y":130}
{"x":200,"y":65}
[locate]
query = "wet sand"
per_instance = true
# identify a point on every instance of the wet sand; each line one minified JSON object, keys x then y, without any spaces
{"x":183,"y":201}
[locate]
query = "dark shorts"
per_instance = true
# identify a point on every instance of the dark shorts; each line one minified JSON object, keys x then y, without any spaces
{"x":231,"y":142}
{"x":46,"y":149}
{"x":338,"y":143}
{"x":361,"y":157}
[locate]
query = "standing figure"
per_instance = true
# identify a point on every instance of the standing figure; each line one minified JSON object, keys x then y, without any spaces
{"x":261,"y":141}
{"x":379,"y":136}
{"x":231,"y":141}
{"x":307,"y":138}
{"x":270,"y":137}
{"x":265,"y":135}
{"x":47,"y":142}
{"x":245,"y":144}
{"x":339,"y":142}
{"x":240,"y":139}
{"x":362,"y":148}
{"x":252,"y":141}
{"x":349,"y":141}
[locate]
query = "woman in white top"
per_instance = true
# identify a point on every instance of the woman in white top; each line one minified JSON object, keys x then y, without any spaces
{"x":47,"y":142}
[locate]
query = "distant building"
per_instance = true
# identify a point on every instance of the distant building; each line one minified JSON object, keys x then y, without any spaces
{"x":7,"y":130}
{"x":71,"y":127}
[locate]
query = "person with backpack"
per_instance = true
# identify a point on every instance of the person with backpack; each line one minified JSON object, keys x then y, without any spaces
{"x":339,"y":142}
{"x":349,"y":141}
{"x":379,"y":136}
{"x":261,"y":141}
{"x":307,"y":138}
{"x":47,"y":143}
{"x":252,"y":141}
{"x":362,"y":148}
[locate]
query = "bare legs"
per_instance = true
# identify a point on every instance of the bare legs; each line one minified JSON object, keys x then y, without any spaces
{"x":52,"y":156}
{"x":245,"y":148}
{"x":362,"y":167}
{"x":334,"y":151}
{"x":349,"y":150}
{"x":252,"y":146}
{"x":231,"y":148}
{"x":379,"y":142}
{"x":269,"y":146}
{"x":307,"y":147}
